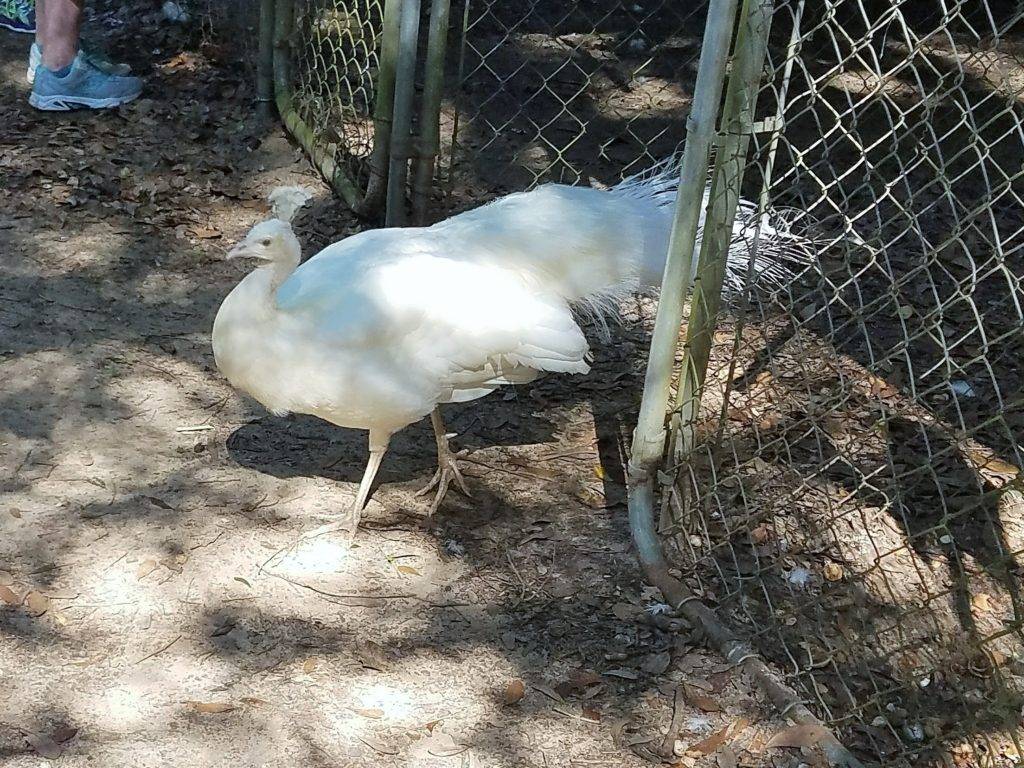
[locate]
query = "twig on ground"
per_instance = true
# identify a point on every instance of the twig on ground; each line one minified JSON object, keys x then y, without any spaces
{"x":158,"y":651}
{"x":667,"y":746}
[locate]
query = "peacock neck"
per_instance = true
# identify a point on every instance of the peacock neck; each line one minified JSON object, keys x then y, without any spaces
{"x":260,"y":286}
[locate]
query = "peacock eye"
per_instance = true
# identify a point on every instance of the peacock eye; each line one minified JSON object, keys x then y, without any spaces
{"x":265,"y":241}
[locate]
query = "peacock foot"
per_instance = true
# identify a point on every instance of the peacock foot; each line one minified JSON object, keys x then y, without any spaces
{"x":447,"y":470}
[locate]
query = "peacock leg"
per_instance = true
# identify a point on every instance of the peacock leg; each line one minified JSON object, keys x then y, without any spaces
{"x":350,"y":521}
{"x":447,"y":464}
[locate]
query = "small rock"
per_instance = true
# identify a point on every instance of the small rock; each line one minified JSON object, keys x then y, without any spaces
{"x":174,"y":12}
{"x":800,"y":577}
{"x":914,"y":732}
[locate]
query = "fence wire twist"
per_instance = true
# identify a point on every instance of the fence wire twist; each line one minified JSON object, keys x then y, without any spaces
{"x":855,"y":503}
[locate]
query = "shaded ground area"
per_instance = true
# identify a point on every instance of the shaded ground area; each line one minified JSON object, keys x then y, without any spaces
{"x":144,"y":617}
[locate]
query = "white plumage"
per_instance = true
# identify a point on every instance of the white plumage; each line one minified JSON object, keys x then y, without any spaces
{"x":376,"y":331}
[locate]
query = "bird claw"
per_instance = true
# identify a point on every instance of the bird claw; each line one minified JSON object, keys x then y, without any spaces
{"x":447,"y":470}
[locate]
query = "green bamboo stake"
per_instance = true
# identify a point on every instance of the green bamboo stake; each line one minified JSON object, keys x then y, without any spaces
{"x":461,"y":82}
{"x":430,"y":116}
{"x":649,"y":436}
{"x":730,"y":164}
{"x":265,"y":62}
{"x":792,"y":49}
{"x":383,"y":110}
{"x":401,"y":129}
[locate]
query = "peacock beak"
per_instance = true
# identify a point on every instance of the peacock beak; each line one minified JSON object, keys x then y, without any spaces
{"x":239,"y":251}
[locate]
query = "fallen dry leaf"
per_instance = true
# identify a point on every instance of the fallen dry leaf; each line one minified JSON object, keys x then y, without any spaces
{"x":211,"y":707}
{"x":146,"y":567}
{"x":625,"y":611}
{"x":881,"y":388}
{"x":37,"y":603}
{"x":832,"y":572}
{"x":514,"y":692}
{"x":656,"y":663}
{"x":625,"y":674}
{"x":309,"y":665}
{"x":993,"y":465}
{"x":8,"y":596}
{"x":548,"y":691}
{"x":443,"y":745}
{"x":702,"y":702}
{"x":760,"y":534}
{"x":797,"y":737}
{"x":584,"y":678}
{"x":718,"y":738}
{"x":565,"y":689}
{"x":64,"y":734}
{"x":981,"y":602}
{"x":408,"y":570}
{"x":44,"y":745}
{"x":371,"y":713}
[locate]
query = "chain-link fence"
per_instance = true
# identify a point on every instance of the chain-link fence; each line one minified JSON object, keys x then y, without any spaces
{"x":852,"y":500}
{"x":554,"y":91}
{"x":324,"y":72}
{"x":533,"y":90}
{"x":848,"y":493}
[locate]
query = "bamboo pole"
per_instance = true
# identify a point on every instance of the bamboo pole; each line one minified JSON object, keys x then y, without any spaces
{"x":284,"y":20}
{"x":649,"y":439}
{"x":401,"y":129}
{"x":461,"y":82}
{"x":383,"y":110}
{"x":265,"y":62}
{"x":649,"y":435}
{"x":730,"y":164}
{"x":430,"y":115}
{"x":763,"y":202}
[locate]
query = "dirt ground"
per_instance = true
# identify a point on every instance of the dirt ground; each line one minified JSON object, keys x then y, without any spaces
{"x":146,"y":615}
{"x":855,"y":510}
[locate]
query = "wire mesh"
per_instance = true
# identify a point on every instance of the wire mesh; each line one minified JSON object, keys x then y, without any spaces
{"x":854,"y":504}
{"x":329,"y":84}
{"x":554,"y":91}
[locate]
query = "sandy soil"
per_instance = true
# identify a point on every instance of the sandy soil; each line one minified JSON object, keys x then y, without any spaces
{"x":144,"y":619}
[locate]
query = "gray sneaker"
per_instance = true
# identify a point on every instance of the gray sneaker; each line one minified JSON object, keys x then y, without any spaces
{"x":86,"y":85}
{"x":95,"y":56}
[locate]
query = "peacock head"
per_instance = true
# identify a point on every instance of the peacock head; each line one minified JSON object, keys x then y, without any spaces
{"x":269,"y":243}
